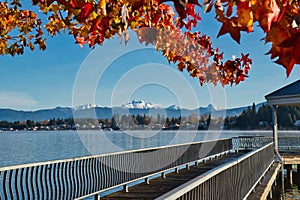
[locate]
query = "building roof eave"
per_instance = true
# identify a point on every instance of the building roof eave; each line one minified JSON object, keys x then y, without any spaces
{"x":288,"y":90}
{"x":292,"y":100}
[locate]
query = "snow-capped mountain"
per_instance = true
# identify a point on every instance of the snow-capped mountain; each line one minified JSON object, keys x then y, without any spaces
{"x":140,"y":105}
{"x":87,"y":106}
{"x":173,"y":107}
{"x":212,"y":107}
{"x":132,"y":108}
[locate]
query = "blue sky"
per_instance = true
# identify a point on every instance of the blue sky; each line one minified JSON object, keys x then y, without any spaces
{"x":51,"y":78}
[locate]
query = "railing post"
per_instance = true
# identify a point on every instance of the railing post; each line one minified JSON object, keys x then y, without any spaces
{"x":147,"y":181}
{"x":125,"y":188}
{"x":96,"y":197}
{"x":163,"y":175}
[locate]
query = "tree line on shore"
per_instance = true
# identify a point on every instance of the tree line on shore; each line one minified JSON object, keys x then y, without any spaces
{"x":250,"y":119}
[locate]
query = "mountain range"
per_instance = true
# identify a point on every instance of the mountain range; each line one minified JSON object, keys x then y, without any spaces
{"x":132,"y":108}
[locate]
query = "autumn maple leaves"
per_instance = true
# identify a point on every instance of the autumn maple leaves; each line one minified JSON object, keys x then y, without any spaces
{"x":23,"y":22}
{"x":168,"y":28}
{"x":279,"y":19}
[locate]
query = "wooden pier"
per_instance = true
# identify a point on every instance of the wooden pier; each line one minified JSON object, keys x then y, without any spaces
{"x":291,"y":157}
{"x":156,"y":187}
{"x":264,"y":187}
{"x":235,"y":168}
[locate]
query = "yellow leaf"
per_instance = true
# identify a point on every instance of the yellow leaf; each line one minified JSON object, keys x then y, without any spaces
{"x":102,"y":4}
{"x":85,"y":33}
{"x":54,"y":8}
{"x":76,"y":12}
{"x":133,"y":24}
{"x":93,"y":15}
{"x":117,"y":20}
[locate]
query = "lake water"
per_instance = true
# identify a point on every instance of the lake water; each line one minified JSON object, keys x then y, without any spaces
{"x":28,"y":147}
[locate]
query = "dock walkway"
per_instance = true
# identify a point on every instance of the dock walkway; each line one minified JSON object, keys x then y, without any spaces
{"x":262,"y":189}
{"x":159,"y":186}
{"x":227,"y":168}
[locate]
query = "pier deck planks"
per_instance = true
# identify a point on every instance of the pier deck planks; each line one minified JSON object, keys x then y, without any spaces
{"x":159,"y":186}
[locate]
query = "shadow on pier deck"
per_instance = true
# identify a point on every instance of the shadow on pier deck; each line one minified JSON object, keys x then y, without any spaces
{"x":158,"y":186}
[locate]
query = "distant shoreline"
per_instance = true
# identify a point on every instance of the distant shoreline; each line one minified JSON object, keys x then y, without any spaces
{"x":147,"y":130}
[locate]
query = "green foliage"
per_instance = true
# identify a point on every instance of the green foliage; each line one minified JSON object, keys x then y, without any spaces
{"x":252,"y":119}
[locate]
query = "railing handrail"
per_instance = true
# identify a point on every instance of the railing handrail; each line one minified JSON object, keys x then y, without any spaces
{"x":262,"y":136}
{"x":151,"y":175}
{"x":12,"y":167}
{"x":254,"y":142}
{"x":244,"y":157}
{"x":84,"y":176}
{"x":181,"y":190}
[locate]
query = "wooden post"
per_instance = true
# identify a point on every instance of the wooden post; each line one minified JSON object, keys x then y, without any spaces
{"x":289,"y":169}
{"x":282,"y":180}
{"x":275,"y":127}
{"x":271,"y":194}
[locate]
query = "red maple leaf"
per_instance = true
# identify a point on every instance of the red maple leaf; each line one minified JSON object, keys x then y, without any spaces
{"x":86,"y":10}
{"x":291,"y":57}
{"x":287,"y":60}
{"x":230,"y":27}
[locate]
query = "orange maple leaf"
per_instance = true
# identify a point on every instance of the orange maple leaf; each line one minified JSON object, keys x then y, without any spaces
{"x":81,"y":41}
{"x":245,"y":15}
{"x":230,"y":26}
{"x":267,"y":13}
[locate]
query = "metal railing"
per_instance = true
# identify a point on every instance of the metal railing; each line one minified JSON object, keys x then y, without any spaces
{"x":250,"y":142}
{"x":87,"y":176}
{"x":288,"y":143}
{"x":234,"y":180}
{"x":254,"y":142}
